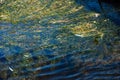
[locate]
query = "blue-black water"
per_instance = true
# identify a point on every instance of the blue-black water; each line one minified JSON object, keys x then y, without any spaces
{"x":108,"y":9}
{"x":51,"y":52}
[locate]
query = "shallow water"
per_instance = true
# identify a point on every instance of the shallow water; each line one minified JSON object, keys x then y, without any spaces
{"x":49,"y":51}
{"x":48,"y":58}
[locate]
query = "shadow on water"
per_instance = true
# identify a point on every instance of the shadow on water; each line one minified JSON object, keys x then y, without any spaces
{"x":109,"y":9}
{"x":50,"y":51}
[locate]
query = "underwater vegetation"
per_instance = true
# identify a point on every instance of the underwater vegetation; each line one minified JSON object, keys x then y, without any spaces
{"x":56,"y":40}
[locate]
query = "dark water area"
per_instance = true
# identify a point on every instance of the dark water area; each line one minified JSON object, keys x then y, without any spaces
{"x":115,"y":3}
{"x":48,"y":51}
{"x":110,"y":9}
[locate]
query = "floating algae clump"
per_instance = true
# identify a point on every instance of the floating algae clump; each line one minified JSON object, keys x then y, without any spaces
{"x":23,"y":10}
{"x":86,"y":30}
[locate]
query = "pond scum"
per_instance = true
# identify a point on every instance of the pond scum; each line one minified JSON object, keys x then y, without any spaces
{"x":62,"y":21}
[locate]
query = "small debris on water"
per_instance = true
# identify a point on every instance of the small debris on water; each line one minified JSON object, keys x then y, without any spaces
{"x":79,"y":35}
{"x":11,"y":69}
{"x":26,"y":55}
{"x":94,"y":21}
{"x":97,"y":15}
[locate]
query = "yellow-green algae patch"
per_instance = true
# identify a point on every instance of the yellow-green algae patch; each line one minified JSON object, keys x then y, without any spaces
{"x":23,"y":10}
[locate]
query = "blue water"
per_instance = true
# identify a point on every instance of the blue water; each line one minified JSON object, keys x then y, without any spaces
{"x":55,"y":53}
{"x":109,"y":11}
{"x":67,"y":61}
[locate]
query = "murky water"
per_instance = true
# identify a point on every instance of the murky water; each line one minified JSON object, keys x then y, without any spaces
{"x":50,"y":51}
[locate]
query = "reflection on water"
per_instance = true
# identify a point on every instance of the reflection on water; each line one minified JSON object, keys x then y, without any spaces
{"x":109,"y":9}
{"x":52,"y":50}
{"x":54,"y":54}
